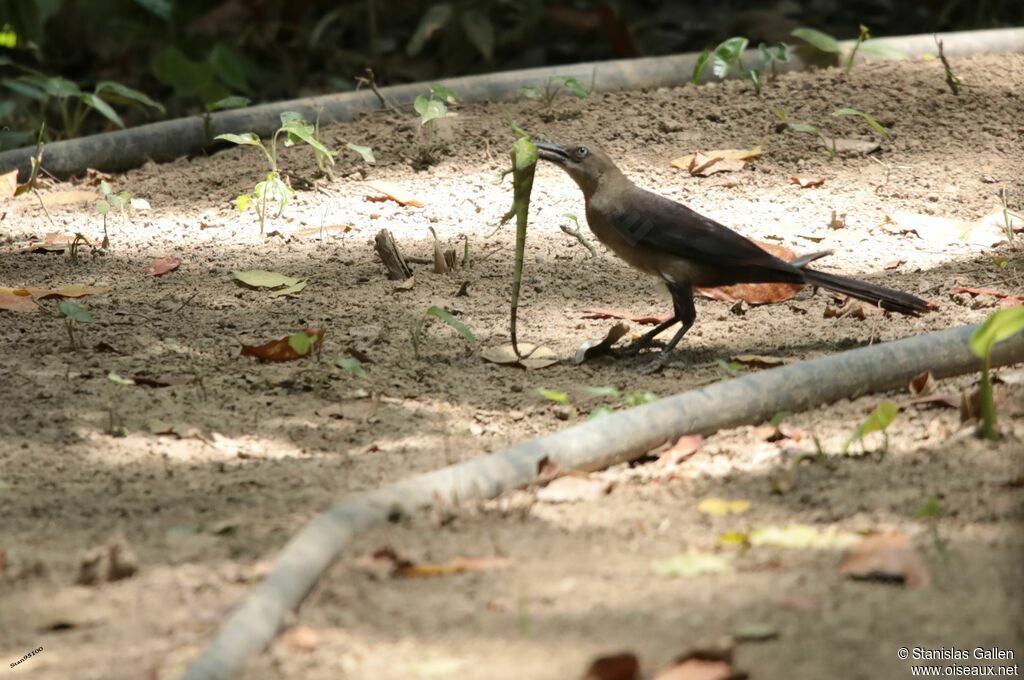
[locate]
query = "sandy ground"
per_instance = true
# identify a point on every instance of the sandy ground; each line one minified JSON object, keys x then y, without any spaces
{"x":261,"y":448}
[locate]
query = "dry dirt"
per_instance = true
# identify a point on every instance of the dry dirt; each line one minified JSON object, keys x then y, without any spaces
{"x":265,"y":447}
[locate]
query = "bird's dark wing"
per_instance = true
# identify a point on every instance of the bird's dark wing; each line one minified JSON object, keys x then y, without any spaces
{"x":662,"y":225}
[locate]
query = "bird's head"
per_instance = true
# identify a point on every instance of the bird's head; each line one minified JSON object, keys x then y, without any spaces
{"x":587,"y":164}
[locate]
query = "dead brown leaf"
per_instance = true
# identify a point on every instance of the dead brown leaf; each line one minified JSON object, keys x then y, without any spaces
{"x":547,"y":470}
{"x":301,"y":638}
{"x":14,"y":302}
{"x":8,"y":184}
{"x":894,"y":264}
{"x":281,"y":349}
{"x":316,"y":231}
{"x":851,"y":147}
{"x":624,"y":666}
{"x":761,"y":360}
{"x":599,"y":346}
{"x":74,"y":290}
{"x":389,"y":190}
{"x":603,"y":313}
{"x":922,"y":384}
{"x":54,"y":242}
{"x":386,"y":563}
{"x":574,"y":488}
{"x":55,"y":198}
{"x":705,"y":166}
{"x":1006,"y":299}
{"x":944,"y":229}
{"x":685,"y":446}
{"x":939,"y":399}
{"x":886,"y":557}
{"x":806,"y":182}
{"x":686,"y":162}
{"x":853,"y":309}
{"x":163,"y":265}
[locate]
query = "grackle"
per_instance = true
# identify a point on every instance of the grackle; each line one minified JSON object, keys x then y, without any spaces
{"x":685,"y":249}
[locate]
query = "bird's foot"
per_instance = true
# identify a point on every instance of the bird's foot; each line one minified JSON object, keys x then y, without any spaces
{"x":632,"y":349}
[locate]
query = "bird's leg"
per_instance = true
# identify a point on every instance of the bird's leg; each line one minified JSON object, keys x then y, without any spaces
{"x":633,"y":348}
{"x":682,"y":299}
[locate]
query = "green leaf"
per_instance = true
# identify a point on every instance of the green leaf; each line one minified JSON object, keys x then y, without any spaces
{"x":603,"y":391}
{"x":433,"y":20}
{"x":232,"y":102}
{"x":289,"y":290}
{"x":302,"y":342}
{"x":55,"y":86}
{"x":728,"y":54}
{"x":243,"y":202}
{"x":102,"y":207}
{"x":446,"y":95}
{"x":260,"y":278}
{"x":552,"y":395}
{"x":997,"y":327}
{"x":118,"y":379}
{"x":530,"y":92}
{"x":638,"y":397}
{"x":247,"y":138}
{"x":364,"y":151}
{"x":24,"y":89}
{"x":822,"y":41}
{"x":480,"y":31}
{"x":930,"y":509}
{"x":878,"y":127}
{"x":804,"y":127}
{"x":125,"y":94}
{"x":230,"y":66}
{"x":75,"y":312}
{"x":574,"y":86}
{"x":429,"y":109}
{"x":877,"y":421}
{"x":755,"y":77}
{"x":692,"y":563}
{"x":296,"y":126}
{"x":352,"y":365}
{"x":700,"y":65}
{"x":103,"y":107}
{"x":463,"y":330}
{"x":161,"y":8}
{"x":880,"y":50}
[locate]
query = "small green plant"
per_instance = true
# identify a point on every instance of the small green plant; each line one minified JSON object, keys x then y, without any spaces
{"x":296,"y":129}
{"x":225,"y":104}
{"x":351,"y":364}
{"x":121,"y":202}
{"x":997,"y":327}
{"x":417,"y":330}
{"x":554,"y":395}
{"x":1007,"y":220}
{"x":576,"y":232}
{"x":952,"y":81}
{"x":864,"y":44}
{"x":75,"y":247}
{"x":771,"y":56}
{"x":931,"y":512}
{"x":830,"y":140}
{"x":74,"y":314}
{"x":728,"y":56}
{"x":554,"y":85}
{"x":431,"y":108}
{"x":878,"y":420}
{"x":60,"y":98}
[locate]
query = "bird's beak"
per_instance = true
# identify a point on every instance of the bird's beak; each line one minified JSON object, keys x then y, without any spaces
{"x":555,"y":153}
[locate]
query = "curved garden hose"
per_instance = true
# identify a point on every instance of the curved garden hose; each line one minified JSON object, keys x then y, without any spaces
{"x":595,"y":444}
{"x":167,"y":140}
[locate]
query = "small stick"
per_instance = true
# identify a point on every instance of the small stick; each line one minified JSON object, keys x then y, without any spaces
{"x":369,"y":80}
{"x":951,"y":79}
{"x":387,"y":249}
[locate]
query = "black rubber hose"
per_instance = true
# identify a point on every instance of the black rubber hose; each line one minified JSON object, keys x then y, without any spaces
{"x":592,"y":445}
{"x":167,"y":140}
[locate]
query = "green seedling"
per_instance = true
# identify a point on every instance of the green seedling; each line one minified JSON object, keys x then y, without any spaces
{"x":74,"y":314}
{"x":553,"y":395}
{"x":417,"y":331}
{"x":772,"y":56}
{"x":121,"y":202}
{"x":72,"y":104}
{"x":889,"y":167}
{"x":576,"y":232}
{"x":864,"y":45}
{"x":829,"y":140}
{"x":1007,"y":220}
{"x":554,"y":85}
{"x":931,"y":512}
{"x":728,"y":55}
{"x":431,"y":108}
{"x":351,"y":364}
{"x":524,"y":162}
{"x":731,"y":369}
{"x":952,"y":81}
{"x":997,"y":327}
{"x":75,"y":247}
{"x":878,"y":420}
{"x":296,"y":129}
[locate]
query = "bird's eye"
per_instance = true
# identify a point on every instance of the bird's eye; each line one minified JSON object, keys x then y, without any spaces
{"x":582,"y":151}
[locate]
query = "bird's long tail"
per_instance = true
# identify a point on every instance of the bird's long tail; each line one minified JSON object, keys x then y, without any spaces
{"x":886,"y":298}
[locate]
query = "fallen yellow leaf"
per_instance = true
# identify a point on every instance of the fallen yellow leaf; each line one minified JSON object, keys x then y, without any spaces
{"x":683,"y":162}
